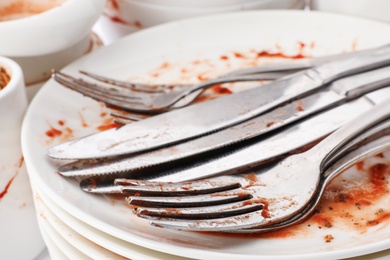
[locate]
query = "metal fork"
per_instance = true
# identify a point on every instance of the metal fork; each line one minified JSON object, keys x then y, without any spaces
{"x":142,"y":98}
{"x":267,"y":196}
{"x":150,"y":102}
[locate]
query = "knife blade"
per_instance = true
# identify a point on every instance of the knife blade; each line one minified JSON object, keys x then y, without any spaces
{"x":200,"y":119}
{"x":342,"y":90}
{"x":281,"y":143}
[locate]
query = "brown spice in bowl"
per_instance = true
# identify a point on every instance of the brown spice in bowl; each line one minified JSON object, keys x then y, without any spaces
{"x":4,"y":78}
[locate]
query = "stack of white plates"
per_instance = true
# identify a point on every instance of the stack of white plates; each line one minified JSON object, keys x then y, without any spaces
{"x":78,"y":225}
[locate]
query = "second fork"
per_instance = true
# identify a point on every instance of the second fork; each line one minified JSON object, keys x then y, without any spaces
{"x":269,"y":195}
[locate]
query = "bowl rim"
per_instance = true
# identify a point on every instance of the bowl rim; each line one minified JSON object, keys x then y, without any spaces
{"x":16,"y":75}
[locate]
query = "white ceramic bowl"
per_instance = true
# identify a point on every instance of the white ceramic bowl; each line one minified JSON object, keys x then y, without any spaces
{"x":153,"y":12}
{"x":373,"y":9}
{"x":19,"y":237}
{"x":13,"y":100}
{"x":50,"y":39}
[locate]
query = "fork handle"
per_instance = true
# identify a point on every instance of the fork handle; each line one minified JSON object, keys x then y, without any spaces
{"x":329,"y":147}
{"x":374,"y":133}
{"x":363,"y":61}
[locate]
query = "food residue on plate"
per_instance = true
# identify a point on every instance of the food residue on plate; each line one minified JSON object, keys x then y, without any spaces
{"x":328,"y":238}
{"x":61,"y":130}
{"x":355,"y":202}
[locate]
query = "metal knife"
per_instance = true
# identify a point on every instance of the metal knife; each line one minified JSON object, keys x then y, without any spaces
{"x":200,"y":119}
{"x":105,"y":183}
{"x":340,"y":91}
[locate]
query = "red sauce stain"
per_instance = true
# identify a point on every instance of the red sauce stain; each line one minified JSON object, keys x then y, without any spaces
{"x":380,"y":155}
{"x":53,"y":132}
{"x":354,"y":45}
{"x":165,"y":65}
{"x":203,"y":98}
{"x":322,"y":221}
{"x":328,"y":238}
{"x":108,"y":124}
{"x":224,"y":57}
{"x":83,"y":121}
{"x":63,"y":134}
{"x":61,"y":122}
{"x":360,"y":166}
{"x":378,"y":181}
{"x":68,"y":133}
{"x":138,"y":24}
{"x":381,"y":218}
{"x":117,"y":19}
{"x":4,"y":192}
{"x":250,"y":176}
{"x":21,"y":161}
{"x":114,"y":4}
{"x":238,"y":55}
{"x":301,"y":47}
{"x":219,"y":89}
{"x":92,"y":182}
{"x":265,"y":210}
{"x":352,"y":205}
{"x":271,"y":123}
{"x":202,"y":77}
{"x":266,"y":54}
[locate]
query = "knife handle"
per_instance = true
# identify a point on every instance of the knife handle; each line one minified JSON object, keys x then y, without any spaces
{"x":362,"y":61}
{"x":361,"y":84}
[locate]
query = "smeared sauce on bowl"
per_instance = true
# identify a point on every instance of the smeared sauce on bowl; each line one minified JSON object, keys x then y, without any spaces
{"x":16,"y":9}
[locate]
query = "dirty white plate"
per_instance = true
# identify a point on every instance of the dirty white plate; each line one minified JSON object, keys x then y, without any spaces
{"x":187,"y":51}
